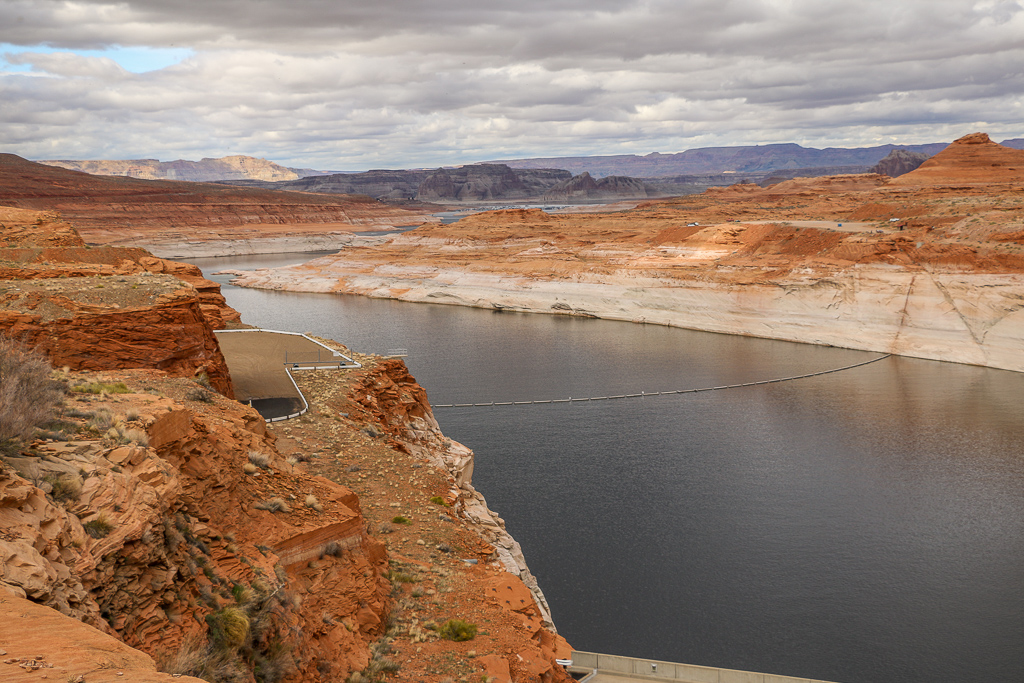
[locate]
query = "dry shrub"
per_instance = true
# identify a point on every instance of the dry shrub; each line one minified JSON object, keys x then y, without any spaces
{"x":333,"y":548}
{"x":64,"y":487}
{"x":101,"y":421}
{"x":187,"y":660}
{"x":28,"y":395}
{"x":132,"y":435}
{"x":99,"y":526}
{"x":313,"y":503}
{"x":259,"y":459}
{"x":198,"y":394}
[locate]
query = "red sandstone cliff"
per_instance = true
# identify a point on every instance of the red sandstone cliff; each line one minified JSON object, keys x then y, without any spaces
{"x":168,"y":517}
{"x":96,"y":309}
{"x":186,"y":540}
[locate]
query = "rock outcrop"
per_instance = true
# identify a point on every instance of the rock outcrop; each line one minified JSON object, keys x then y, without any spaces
{"x":106,"y":308}
{"x":899,"y":162}
{"x":41,"y":643}
{"x":157,"y":544}
{"x":142,"y":321}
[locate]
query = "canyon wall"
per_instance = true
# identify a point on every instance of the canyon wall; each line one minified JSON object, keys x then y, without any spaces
{"x":156,"y":526}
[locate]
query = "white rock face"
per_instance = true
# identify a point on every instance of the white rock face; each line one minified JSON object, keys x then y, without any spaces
{"x":961,"y":317}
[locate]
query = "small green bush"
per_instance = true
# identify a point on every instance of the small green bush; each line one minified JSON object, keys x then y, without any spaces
{"x":457,"y":630}
{"x":401,"y":520}
{"x":438,"y":500}
{"x":229,"y":628}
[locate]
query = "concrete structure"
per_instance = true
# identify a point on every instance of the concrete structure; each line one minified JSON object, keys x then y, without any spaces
{"x":600,"y":668}
{"x":261,"y":362}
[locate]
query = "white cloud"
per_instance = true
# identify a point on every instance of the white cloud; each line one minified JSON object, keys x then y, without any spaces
{"x":410,"y":83}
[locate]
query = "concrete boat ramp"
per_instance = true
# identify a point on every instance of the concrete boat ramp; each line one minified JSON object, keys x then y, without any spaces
{"x":599,"y":668}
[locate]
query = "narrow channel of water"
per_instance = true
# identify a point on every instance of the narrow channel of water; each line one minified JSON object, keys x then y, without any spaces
{"x":856,"y":527}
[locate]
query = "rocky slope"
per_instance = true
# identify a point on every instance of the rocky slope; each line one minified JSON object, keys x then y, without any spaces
{"x":929,"y":264}
{"x":235,"y":167}
{"x":169,"y":214}
{"x":155,"y":520}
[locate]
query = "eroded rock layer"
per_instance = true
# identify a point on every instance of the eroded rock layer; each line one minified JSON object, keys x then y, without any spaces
{"x":132,"y":211}
{"x":928,"y":265}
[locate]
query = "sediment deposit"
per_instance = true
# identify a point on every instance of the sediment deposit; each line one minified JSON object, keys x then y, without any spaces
{"x":929,"y":265}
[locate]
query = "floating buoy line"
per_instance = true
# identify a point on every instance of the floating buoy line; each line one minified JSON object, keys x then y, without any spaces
{"x":645,"y":394}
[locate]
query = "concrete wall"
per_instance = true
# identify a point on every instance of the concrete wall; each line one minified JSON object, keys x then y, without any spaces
{"x":654,"y":670}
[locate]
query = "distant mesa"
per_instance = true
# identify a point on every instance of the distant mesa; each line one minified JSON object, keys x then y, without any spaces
{"x":898,"y":162}
{"x":483,"y":182}
{"x":473,"y":183}
{"x":237,"y":167}
{"x":583,"y":187}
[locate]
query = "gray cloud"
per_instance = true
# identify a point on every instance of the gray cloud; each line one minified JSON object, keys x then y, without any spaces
{"x":406,"y":83}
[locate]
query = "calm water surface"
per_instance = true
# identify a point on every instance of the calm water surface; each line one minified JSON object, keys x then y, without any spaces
{"x":857,"y":527}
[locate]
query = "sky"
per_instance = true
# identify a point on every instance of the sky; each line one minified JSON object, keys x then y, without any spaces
{"x":357,"y":84}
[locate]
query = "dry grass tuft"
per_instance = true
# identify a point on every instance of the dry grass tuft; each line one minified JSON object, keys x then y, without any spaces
{"x":273,"y":505}
{"x":261,"y":460}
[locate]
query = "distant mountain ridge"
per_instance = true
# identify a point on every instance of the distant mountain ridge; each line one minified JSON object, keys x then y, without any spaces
{"x":236,"y":167}
{"x":749,"y":159}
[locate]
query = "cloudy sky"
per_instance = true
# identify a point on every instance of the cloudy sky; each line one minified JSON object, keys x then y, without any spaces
{"x":358,"y":84}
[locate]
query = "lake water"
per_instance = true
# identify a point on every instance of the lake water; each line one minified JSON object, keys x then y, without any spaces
{"x":857,"y":527}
